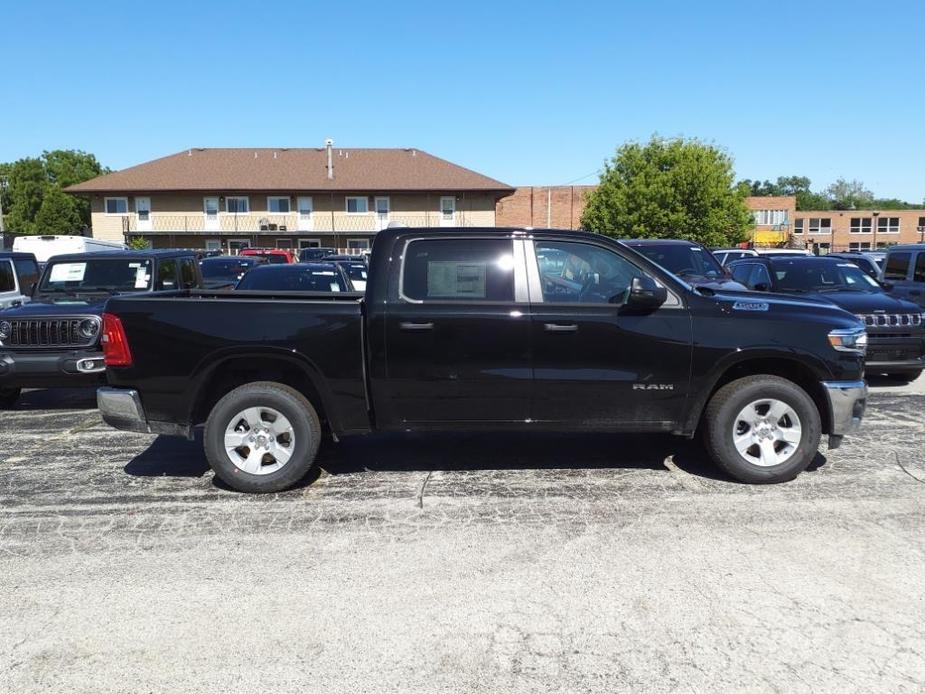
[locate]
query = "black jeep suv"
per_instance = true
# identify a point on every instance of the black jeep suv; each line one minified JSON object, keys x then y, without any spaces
{"x":54,"y":341}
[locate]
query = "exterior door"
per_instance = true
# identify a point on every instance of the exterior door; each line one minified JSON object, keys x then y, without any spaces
{"x":305,"y":209}
{"x":457,"y":343}
{"x":309,"y":243}
{"x":382,"y":212}
{"x":210,"y":210}
{"x":143,"y":214}
{"x":448,"y":211}
{"x":235,"y":246}
{"x":595,"y":365}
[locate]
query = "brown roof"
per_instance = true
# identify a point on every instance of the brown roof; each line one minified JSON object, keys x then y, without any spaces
{"x":267,"y":169}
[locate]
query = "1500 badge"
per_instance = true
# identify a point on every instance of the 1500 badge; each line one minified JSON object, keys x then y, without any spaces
{"x":653,"y":386}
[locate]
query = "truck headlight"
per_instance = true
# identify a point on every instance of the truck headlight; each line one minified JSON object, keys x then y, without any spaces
{"x":6,"y":329}
{"x":88,"y":328}
{"x":849,"y":340}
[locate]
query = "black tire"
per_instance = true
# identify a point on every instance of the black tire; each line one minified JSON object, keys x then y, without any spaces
{"x":720,"y":422}
{"x":904,"y":376}
{"x":8,"y":397}
{"x":306,"y":429}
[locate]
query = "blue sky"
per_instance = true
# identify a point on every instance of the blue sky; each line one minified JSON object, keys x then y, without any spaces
{"x":529,"y":93}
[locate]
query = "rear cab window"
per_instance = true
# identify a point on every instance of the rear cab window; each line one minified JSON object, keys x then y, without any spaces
{"x":464,"y":270}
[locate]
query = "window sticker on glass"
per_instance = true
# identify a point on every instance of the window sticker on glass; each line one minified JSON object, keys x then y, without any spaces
{"x":141,"y":278}
{"x":451,"y":278}
{"x":68,"y":272}
{"x":335,"y":287}
{"x":323,"y":273}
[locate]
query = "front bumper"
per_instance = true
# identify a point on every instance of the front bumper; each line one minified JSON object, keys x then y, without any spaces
{"x":847,"y":401}
{"x":121,"y":408}
{"x":57,"y":369}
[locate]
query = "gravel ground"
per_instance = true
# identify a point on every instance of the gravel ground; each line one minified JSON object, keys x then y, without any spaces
{"x":544,"y":563}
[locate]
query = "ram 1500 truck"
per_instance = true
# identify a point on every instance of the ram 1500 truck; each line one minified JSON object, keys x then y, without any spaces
{"x":486,"y":328}
{"x":54,"y":341}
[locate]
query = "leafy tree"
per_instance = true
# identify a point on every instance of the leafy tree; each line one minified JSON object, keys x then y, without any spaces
{"x":23,"y":198}
{"x":669,"y":188}
{"x":32,"y":178}
{"x":139,"y":244}
{"x":58,"y":213}
{"x":849,"y":195}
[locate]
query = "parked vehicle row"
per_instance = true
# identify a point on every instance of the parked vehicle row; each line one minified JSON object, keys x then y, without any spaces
{"x":486,"y":328}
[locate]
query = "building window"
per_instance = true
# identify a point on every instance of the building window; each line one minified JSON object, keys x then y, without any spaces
{"x":237,"y":204}
{"x":798,"y":226}
{"x":358,"y":244}
{"x":448,"y":208}
{"x":824,"y":248}
{"x":860,"y":225}
{"x":885,"y":244}
{"x":357,"y":205}
{"x":213,"y":245}
{"x":888,"y":225}
{"x":278,"y":204}
{"x":820,"y":225}
{"x":921,"y":224}
{"x":770,"y":217}
{"x":859,"y":246}
{"x":116,"y":205}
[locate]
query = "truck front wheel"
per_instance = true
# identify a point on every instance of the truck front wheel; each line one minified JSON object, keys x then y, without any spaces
{"x":8,"y":397}
{"x":762,"y":429}
{"x":262,"y":437}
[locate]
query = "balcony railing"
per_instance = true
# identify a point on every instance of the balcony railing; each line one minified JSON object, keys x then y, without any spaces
{"x":318,"y":222}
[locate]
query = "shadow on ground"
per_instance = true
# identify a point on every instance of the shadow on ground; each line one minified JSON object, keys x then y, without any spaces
{"x":56,"y":399}
{"x":173,"y":457}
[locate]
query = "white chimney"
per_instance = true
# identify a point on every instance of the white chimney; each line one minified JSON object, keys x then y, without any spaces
{"x":329,"y":145}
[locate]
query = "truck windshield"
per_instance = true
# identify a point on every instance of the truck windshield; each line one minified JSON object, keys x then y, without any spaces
{"x":102,"y":275}
{"x":821,"y":275}
{"x":683,"y":260}
{"x":7,"y":282}
{"x":225,"y":269}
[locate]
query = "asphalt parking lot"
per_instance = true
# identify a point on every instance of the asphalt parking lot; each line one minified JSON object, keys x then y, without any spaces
{"x":464,"y":563}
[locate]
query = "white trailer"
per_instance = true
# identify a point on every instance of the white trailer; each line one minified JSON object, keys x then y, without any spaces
{"x":44,"y":247}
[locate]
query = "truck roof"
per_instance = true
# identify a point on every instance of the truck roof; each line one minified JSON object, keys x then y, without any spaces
{"x":17,"y":255}
{"x":159,"y":253}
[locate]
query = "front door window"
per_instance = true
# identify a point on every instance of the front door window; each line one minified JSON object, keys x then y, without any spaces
{"x":143,"y":213}
{"x":305,"y":209}
{"x":382,"y":213}
{"x":448,"y":211}
{"x":210,"y":210}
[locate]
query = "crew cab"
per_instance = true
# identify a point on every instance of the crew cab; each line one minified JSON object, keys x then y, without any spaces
{"x":18,"y":274}
{"x":53,"y":341}
{"x":493,"y":328}
{"x":895,"y":328}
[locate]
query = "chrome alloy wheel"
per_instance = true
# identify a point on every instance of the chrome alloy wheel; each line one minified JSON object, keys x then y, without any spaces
{"x":767,"y":432}
{"x":259,"y":440}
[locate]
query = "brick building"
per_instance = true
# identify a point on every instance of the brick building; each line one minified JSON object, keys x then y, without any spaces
{"x":559,"y":207}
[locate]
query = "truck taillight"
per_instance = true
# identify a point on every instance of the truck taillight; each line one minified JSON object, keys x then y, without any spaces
{"x":116,"y":351}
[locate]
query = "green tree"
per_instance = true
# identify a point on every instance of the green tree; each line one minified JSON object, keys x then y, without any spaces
{"x":139,"y":244}
{"x":58,"y":213}
{"x":669,"y":188}
{"x":849,"y":195}
{"x":65,"y":167}
{"x":23,"y":198}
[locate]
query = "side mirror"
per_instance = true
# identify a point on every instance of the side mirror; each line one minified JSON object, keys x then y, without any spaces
{"x":645,"y":295}
{"x":887,"y":286}
{"x":761,"y":287}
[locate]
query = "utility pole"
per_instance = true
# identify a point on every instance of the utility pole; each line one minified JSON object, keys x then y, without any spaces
{"x":3,"y":186}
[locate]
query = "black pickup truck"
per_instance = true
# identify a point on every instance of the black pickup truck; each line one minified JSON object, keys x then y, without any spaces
{"x":486,"y":328}
{"x":53,"y":341}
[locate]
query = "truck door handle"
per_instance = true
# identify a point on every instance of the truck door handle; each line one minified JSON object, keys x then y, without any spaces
{"x":558,"y":328}
{"x":416,"y":326}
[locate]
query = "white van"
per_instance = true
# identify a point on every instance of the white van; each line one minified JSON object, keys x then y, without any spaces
{"x":44,"y":247}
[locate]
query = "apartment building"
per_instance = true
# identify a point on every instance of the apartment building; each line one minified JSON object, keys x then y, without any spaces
{"x":232,"y":198}
{"x":858,"y":230}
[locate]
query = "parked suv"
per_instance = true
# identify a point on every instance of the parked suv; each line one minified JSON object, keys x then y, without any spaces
{"x":862,"y":260}
{"x":18,"y":274}
{"x":692,"y":263}
{"x":896,"y":335}
{"x":54,"y":341}
{"x":904,"y":272}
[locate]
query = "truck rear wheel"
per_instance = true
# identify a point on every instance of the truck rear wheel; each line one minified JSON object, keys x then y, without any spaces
{"x":8,"y":397}
{"x":262,"y":437}
{"x":762,"y":429}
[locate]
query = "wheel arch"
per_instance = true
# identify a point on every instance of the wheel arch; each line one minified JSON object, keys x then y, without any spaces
{"x":234,"y":367}
{"x":804,"y":370}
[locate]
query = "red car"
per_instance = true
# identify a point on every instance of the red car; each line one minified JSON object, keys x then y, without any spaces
{"x":273,"y":256}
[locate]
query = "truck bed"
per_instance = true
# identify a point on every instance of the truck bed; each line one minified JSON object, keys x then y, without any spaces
{"x":184,"y":342}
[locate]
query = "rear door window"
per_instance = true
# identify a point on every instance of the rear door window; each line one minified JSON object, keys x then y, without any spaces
{"x":187,"y":273}
{"x":441,"y":270}
{"x":167,"y":275}
{"x":919,"y":275}
{"x":897,"y":266}
{"x":28,"y":271}
{"x":741,"y":273}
